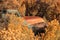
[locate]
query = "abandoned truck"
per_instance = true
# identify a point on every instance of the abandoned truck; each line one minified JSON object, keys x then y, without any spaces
{"x":37,"y":24}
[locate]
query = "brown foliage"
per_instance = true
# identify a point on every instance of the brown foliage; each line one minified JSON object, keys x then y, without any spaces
{"x":52,"y":31}
{"x":13,"y":29}
{"x":16,"y":30}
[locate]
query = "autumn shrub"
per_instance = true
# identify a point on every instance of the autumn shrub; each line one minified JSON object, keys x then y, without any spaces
{"x":52,"y":31}
{"x":42,"y":8}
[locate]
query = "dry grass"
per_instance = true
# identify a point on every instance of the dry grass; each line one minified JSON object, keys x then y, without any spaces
{"x":15,"y":30}
{"x":52,"y":31}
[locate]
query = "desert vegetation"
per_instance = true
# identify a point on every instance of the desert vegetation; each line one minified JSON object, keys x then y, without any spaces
{"x":12,"y":27}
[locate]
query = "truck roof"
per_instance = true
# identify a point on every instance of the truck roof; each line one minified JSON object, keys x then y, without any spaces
{"x":33,"y":19}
